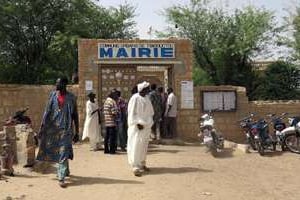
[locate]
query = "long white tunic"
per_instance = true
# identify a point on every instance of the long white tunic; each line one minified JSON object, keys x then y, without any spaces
{"x":140,"y":111}
{"x":91,"y":127}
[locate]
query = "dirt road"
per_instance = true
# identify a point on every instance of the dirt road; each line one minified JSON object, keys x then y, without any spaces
{"x":177,"y":173}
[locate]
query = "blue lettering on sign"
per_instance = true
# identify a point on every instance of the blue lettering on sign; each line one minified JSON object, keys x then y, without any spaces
{"x":122,"y":53}
{"x":155,"y":52}
{"x":167,"y":52}
{"x":133,"y":52}
{"x":136,"y":52}
{"x":106,"y":53}
{"x":144,"y":52}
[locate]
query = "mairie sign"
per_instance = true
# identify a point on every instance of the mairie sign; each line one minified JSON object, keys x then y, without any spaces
{"x":135,"y":50}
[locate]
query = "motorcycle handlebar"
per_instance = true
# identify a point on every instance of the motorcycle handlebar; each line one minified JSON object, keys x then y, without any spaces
{"x":247,"y":118}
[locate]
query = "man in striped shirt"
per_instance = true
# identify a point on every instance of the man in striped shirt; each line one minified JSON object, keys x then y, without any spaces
{"x":110,"y":111}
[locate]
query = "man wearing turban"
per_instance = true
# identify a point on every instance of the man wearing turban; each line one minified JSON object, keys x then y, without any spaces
{"x":140,"y":120}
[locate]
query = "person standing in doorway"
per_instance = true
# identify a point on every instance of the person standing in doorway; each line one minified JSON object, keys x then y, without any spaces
{"x":56,"y":131}
{"x":110,"y":111}
{"x":140,"y":120}
{"x":121,"y":122}
{"x":164,"y":98}
{"x":156,"y":101}
{"x":170,"y":114}
{"x":92,"y":126}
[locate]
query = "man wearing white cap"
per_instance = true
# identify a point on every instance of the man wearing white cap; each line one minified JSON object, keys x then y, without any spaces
{"x":140,"y":120}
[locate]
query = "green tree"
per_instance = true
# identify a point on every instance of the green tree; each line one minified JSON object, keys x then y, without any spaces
{"x":279,"y":82}
{"x":200,"y":77}
{"x":38,"y":38}
{"x":26,"y":29}
{"x":295,"y":42}
{"x":224,"y":43}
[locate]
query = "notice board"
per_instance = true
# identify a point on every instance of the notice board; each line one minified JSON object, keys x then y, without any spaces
{"x":187,"y":95}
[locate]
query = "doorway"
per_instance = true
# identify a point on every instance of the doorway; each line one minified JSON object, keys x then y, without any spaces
{"x":125,"y":77}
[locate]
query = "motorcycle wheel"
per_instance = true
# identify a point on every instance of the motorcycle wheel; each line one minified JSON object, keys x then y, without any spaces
{"x":213,"y":150}
{"x":274,"y":146}
{"x":260,"y":148}
{"x":283,"y":147}
{"x":292,"y":142}
{"x":252,"y":143}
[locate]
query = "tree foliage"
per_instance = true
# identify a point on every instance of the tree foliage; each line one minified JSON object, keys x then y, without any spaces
{"x":295,"y":44}
{"x":38,"y":38}
{"x":280,"y":81}
{"x":224,"y":43}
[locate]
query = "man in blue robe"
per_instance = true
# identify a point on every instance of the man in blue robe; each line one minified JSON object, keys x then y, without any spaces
{"x":56,"y":132}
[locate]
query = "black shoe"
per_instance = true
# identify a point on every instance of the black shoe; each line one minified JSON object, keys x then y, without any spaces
{"x":106,"y":150}
{"x":62,"y":184}
{"x":137,"y":173}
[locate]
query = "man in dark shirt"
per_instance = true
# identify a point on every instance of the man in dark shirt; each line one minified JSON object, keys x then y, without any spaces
{"x":156,"y":101}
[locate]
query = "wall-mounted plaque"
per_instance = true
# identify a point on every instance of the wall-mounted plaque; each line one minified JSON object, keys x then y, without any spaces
{"x":88,"y":85}
{"x":219,"y":100}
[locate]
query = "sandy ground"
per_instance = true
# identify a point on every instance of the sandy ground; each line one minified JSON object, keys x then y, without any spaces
{"x":177,"y":172}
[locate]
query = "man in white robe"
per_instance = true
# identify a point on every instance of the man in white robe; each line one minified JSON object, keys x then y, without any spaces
{"x":140,"y":120}
{"x":91,"y":127}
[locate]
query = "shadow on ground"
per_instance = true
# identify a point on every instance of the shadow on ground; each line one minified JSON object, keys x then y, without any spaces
{"x":273,"y":153}
{"x":81,"y":180}
{"x":225,"y":153}
{"x":25,"y":176}
{"x":154,"y":151}
{"x":44,"y":167}
{"x":180,"y":170}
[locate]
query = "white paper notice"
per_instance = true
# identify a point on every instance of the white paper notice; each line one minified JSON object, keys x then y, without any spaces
{"x":88,"y":85}
{"x":187,"y":95}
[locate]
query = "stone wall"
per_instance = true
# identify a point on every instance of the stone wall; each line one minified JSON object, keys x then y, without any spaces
{"x":8,"y":135}
{"x":21,"y":141}
{"x":17,"y":97}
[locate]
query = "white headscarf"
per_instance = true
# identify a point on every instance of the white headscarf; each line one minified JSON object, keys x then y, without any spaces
{"x":142,"y":85}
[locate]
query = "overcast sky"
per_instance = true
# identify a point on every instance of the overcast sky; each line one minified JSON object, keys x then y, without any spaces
{"x":148,"y":11}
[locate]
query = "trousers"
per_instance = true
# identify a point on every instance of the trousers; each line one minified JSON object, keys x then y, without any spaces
{"x":63,"y":170}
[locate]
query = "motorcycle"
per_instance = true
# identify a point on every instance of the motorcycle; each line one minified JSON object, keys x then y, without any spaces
{"x":214,"y":141}
{"x":264,"y":141}
{"x":18,"y":118}
{"x":247,"y":124}
{"x":257,"y":134}
{"x":278,"y":127}
{"x":292,"y":135}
